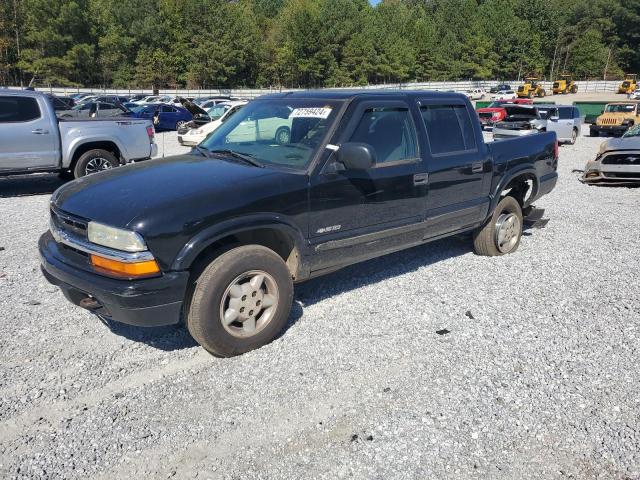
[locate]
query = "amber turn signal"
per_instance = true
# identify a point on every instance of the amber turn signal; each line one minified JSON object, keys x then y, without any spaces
{"x":125,"y":270}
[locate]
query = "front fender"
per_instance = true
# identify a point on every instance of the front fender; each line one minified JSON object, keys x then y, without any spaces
{"x":198,"y":243}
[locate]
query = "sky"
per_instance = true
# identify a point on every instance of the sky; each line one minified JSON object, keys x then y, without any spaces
{"x":374,"y":2}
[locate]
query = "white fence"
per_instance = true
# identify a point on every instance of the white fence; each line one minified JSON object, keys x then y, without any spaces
{"x":587,"y":86}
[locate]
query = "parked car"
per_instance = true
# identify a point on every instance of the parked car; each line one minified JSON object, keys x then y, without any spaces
{"x":505,"y":95}
{"x":635,"y":95}
{"x":475,"y":94}
{"x":32,"y":139}
{"x":521,"y":120}
{"x":495,"y":112}
{"x":616,"y":118}
{"x":500,"y":88}
{"x":219,"y":98}
{"x":95,"y":110}
{"x":61,"y":103}
{"x":79,"y":96}
{"x":218,"y":236}
{"x":137,"y":97}
{"x":618,"y":160}
{"x":149,"y":100}
{"x":565,"y":121}
{"x":200,"y":116}
{"x":164,"y":116}
{"x":194,"y":136}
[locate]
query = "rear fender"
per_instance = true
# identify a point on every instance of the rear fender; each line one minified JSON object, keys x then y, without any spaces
{"x":508,"y":177}
{"x":75,"y":143}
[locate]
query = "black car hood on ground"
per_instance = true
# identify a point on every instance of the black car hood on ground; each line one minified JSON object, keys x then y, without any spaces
{"x":181,"y":189}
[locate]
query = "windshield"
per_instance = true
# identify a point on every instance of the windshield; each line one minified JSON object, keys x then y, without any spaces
{"x":620,"y":108}
{"x":633,"y":131}
{"x":216,"y":112}
{"x":284,"y":132}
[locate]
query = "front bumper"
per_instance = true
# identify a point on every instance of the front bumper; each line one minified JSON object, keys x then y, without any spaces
{"x":608,"y":129}
{"x":187,"y":141}
{"x":598,"y":173}
{"x":147,"y":302}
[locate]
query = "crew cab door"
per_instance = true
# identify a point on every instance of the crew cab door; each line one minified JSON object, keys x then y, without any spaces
{"x":355,"y":213}
{"x":27,"y":138}
{"x":459,"y":167}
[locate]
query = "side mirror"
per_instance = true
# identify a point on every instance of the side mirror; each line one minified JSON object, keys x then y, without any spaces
{"x":554,"y":118}
{"x":356,"y":156}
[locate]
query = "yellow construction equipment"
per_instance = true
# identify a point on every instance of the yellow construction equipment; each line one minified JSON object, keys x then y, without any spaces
{"x":531,"y":88}
{"x":629,"y":84}
{"x":564,"y":85}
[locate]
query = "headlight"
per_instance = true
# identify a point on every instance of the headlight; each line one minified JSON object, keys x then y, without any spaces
{"x":198,"y":131}
{"x":115,"y":238}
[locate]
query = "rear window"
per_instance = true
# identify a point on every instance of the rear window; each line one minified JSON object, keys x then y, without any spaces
{"x":449,"y":128}
{"x":18,"y":109}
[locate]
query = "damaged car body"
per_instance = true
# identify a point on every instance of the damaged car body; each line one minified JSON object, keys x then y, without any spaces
{"x":618,"y":161}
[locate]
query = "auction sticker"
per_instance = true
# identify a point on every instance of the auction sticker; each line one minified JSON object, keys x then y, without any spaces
{"x":320,"y":112}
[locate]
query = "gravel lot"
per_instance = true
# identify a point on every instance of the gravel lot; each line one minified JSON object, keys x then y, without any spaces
{"x":538,"y":376}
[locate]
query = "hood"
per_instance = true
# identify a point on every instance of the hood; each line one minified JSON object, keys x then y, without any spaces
{"x":140,"y":194}
{"x":624,"y":143}
{"x":192,"y":107}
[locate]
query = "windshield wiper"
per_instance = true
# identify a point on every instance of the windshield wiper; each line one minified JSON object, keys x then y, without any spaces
{"x":242,"y":156}
{"x":203,"y":150}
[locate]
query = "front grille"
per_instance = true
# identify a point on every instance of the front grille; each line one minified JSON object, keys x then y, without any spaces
{"x":609,"y":121}
{"x":622,"y":159}
{"x":69,"y":223}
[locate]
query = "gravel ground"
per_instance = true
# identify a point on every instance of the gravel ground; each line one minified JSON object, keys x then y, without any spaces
{"x":429,"y":363}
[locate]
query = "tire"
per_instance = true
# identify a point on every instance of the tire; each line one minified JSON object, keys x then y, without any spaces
{"x":283,"y":135}
{"x":529,"y":95}
{"x":213,"y":295}
{"x":593,"y":133}
{"x":179,"y":123}
{"x":574,"y":136}
{"x":507,"y":219}
{"x":94,"y":161}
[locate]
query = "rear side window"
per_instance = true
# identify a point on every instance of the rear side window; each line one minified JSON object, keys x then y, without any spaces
{"x":168,"y":109}
{"x":390,"y":131}
{"x":449,"y":128}
{"x":18,"y":109}
{"x":576,"y":112}
{"x":566,"y":113}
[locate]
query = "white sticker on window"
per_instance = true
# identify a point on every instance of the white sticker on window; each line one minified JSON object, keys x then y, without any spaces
{"x":320,"y":112}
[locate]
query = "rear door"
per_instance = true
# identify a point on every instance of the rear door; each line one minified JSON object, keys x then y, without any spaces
{"x":560,"y":121}
{"x":27,"y":140}
{"x":459,"y":167}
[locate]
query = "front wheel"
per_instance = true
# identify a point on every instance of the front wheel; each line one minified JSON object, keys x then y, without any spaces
{"x":241,"y":301}
{"x":283,"y":136}
{"x":502,"y":233}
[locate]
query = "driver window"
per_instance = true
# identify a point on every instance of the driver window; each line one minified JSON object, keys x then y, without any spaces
{"x":390,"y":131}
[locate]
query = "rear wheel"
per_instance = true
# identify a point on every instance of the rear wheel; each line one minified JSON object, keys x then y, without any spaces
{"x":95,"y":161}
{"x":574,"y":136}
{"x":502,"y":233}
{"x":241,"y":301}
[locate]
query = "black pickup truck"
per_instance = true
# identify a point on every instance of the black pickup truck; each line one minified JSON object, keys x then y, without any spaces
{"x":217,"y":237}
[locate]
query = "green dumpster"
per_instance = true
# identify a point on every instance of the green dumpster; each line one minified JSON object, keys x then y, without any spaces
{"x":483,"y":104}
{"x":590,"y":110}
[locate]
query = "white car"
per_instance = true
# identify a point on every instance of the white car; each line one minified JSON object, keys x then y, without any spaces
{"x":220,"y":113}
{"x":635,"y":95}
{"x":505,"y":95}
{"x":475,"y":94}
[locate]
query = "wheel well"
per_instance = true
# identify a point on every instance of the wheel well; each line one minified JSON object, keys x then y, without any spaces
{"x":272,"y":238}
{"x":84,"y":148}
{"x":521,"y":188}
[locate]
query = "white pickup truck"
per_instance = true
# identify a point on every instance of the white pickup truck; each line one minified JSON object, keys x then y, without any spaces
{"x":33,"y":139}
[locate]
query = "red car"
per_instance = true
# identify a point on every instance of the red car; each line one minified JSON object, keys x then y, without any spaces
{"x":494,"y":112}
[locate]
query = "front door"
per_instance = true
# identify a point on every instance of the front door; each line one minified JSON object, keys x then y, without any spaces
{"x":27,"y":138}
{"x":357,"y":213}
{"x":459,"y":167}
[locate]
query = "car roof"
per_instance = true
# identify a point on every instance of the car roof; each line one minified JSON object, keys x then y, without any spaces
{"x":349,"y":94}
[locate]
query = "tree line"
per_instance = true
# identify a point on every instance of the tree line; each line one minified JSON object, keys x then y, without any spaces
{"x":311,"y":43}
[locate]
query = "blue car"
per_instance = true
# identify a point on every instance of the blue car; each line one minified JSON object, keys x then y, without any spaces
{"x":165,"y":117}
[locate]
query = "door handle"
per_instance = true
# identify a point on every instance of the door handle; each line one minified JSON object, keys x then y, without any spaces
{"x":477,"y":167}
{"x":40,"y":131}
{"x":420,"y":178}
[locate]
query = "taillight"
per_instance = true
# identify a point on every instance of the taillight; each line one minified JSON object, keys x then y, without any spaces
{"x":556,"y":151}
{"x":151,"y":132}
